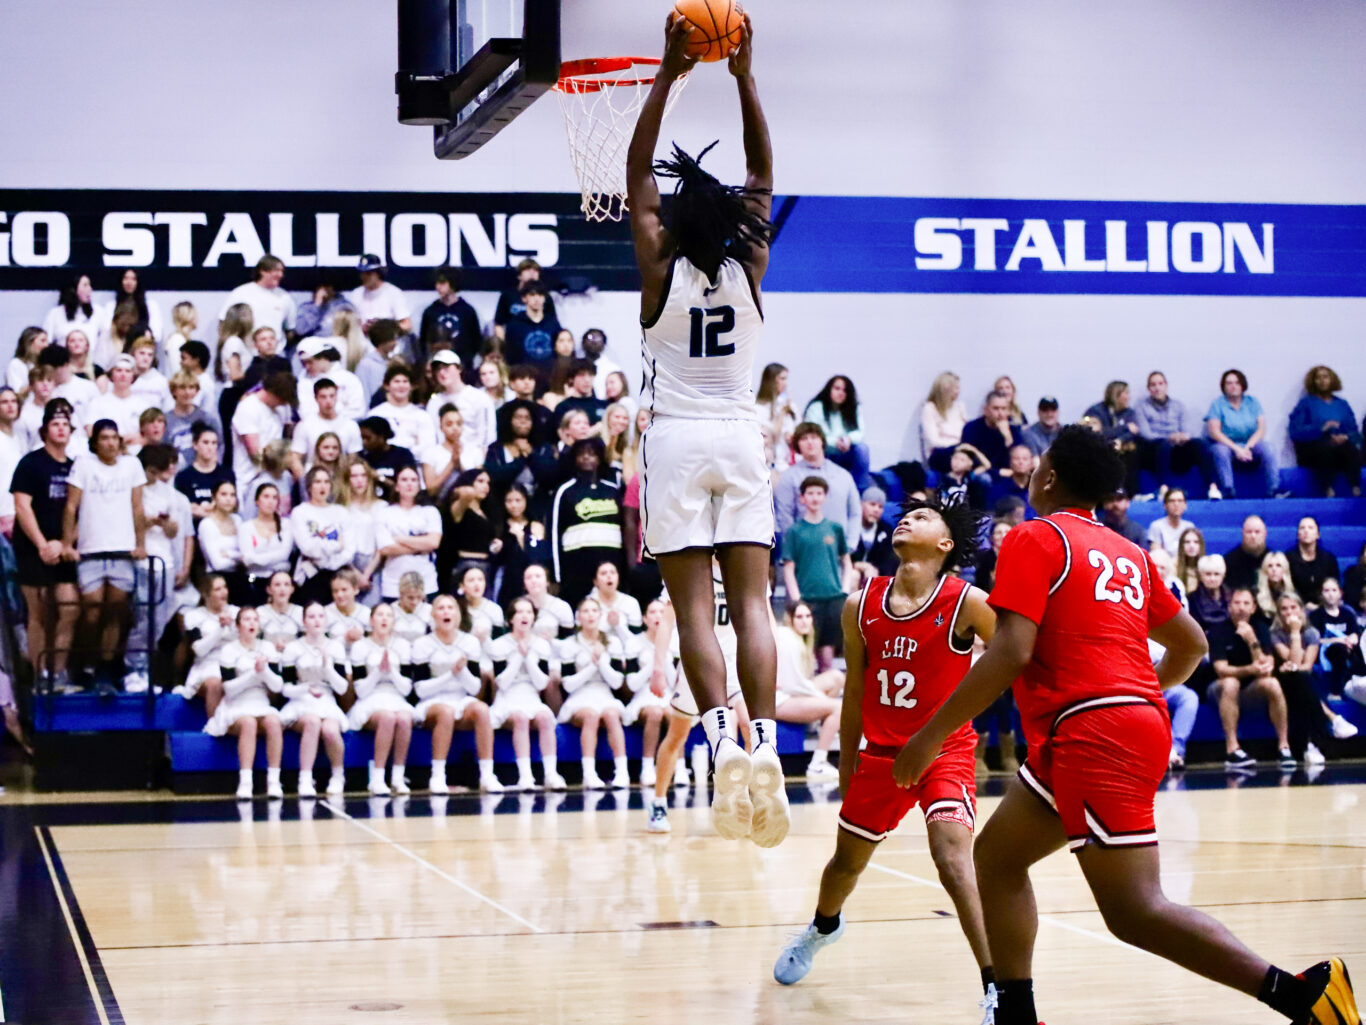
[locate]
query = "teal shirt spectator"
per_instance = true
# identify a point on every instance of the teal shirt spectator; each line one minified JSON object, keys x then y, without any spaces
{"x":815,"y":551}
{"x":834,"y":425}
{"x":1238,"y":424}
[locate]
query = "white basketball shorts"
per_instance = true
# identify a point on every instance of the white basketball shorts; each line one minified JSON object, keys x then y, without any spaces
{"x":704,"y":483}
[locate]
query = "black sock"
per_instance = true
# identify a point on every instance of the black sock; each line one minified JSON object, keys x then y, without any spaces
{"x":988,"y":977}
{"x":1294,"y":995}
{"x":1015,"y":1002}
{"x":826,"y":924}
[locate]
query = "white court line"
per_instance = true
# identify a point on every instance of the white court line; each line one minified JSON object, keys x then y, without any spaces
{"x":1100,"y":936}
{"x":71,"y":925}
{"x":429,"y":866}
{"x":2,"y":1007}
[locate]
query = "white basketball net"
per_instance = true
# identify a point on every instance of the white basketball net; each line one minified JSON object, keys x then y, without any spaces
{"x":600,"y":101}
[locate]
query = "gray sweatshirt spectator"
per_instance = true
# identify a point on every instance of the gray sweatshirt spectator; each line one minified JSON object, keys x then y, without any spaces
{"x":842,"y":502}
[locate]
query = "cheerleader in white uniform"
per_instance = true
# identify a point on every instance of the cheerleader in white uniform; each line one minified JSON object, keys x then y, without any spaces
{"x":381,"y":665}
{"x":412,"y":613}
{"x":208,"y":628}
{"x":248,"y":681}
{"x":621,"y":616}
{"x":347,"y":619}
{"x":486,"y":617}
{"x":646,"y":706}
{"x":448,"y":693}
{"x":554,"y":616}
{"x":519,"y":664}
{"x":591,"y":669}
{"x":313,"y":668}
{"x":281,"y":620}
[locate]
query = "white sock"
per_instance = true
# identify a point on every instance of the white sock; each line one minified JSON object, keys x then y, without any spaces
{"x":646,"y":761}
{"x":339,"y":772}
{"x":659,"y":802}
{"x":485,"y":768}
{"x":548,"y":762}
{"x":590,"y":767}
{"x":376,"y":772}
{"x":763,"y":731}
{"x":820,"y":757}
{"x":439,"y":766}
{"x":621,"y":770}
{"x":244,"y":776}
{"x":717,"y":723}
{"x":396,"y":772}
{"x":272,"y":775}
{"x":524,"y":768}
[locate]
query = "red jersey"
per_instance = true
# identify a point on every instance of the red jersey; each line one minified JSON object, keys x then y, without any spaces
{"x":912,"y":663}
{"x":1092,"y":594}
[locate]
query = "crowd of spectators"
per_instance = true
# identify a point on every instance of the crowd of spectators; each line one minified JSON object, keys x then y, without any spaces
{"x":357,"y":479}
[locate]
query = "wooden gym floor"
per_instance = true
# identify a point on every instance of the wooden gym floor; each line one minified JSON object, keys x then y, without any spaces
{"x":544,"y":909}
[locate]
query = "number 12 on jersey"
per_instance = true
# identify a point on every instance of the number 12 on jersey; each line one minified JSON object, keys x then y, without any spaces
{"x":707,"y":328}
{"x":904,"y":683}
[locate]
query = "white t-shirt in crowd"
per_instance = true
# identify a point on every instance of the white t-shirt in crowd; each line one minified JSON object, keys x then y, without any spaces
{"x":234,"y":346}
{"x":11,"y":451}
{"x":270,"y":307}
{"x":394,"y":521}
{"x":58,"y":326}
{"x":351,"y":398}
{"x":154,"y":387}
{"x":159,"y":498}
{"x":1169,"y":537}
{"x":385,"y":302}
{"x":124,"y":412}
{"x":80,"y":392}
{"x":28,"y":436}
{"x":105,"y":518}
{"x":480,"y":419}
{"x":253,"y":416}
{"x":412,"y":426}
{"x":308,"y":430}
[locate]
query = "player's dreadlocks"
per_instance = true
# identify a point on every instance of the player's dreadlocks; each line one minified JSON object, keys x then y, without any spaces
{"x":962,"y":524}
{"x":710,"y":221}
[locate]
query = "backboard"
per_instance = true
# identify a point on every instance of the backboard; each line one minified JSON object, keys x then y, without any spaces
{"x":469,"y":67}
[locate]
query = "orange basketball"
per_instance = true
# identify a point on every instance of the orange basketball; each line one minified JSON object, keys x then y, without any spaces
{"x":717,"y":27}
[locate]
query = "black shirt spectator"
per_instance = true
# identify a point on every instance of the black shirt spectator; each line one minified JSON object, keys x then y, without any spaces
{"x":1354,"y":583}
{"x":873,"y":546}
{"x":993,"y":434}
{"x":1117,"y":519}
{"x":42,"y":478}
{"x":451,"y":319}
{"x":1226,"y":646}
{"x":580,"y":394}
{"x":385,"y":459}
{"x":198,"y":485}
{"x":529,"y":336}
{"x":1245,"y":561}
{"x":1310,"y":565}
{"x":510,"y":302}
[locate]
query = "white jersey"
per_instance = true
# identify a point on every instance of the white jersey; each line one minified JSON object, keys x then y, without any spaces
{"x":700,"y":347}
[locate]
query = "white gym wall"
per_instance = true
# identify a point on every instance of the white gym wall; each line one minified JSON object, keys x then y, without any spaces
{"x":1227,"y":101}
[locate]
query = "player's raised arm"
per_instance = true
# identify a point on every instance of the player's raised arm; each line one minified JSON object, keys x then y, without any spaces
{"x":642,"y":191}
{"x":758,"y":147}
{"x":851,"y":712}
{"x":1006,"y":656}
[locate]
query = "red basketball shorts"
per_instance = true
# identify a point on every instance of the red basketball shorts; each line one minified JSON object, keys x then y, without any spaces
{"x":1100,"y":769}
{"x":875,"y":805}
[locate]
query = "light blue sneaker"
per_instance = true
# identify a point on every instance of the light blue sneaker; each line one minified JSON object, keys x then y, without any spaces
{"x":795,"y":960}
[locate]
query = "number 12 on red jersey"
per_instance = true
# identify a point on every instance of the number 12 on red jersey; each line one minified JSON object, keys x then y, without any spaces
{"x":904,"y":683}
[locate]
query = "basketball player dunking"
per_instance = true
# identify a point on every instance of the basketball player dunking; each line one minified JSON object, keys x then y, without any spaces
{"x":908,"y":641}
{"x":1076,"y":604}
{"x":705,"y":483}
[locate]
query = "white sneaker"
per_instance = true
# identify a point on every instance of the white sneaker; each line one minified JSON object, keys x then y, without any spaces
{"x":1313,"y":756}
{"x":275,"y":791}
{"x":592,"y":781}
{"x":732,"y":809}
{"x":554,"y":781}
{"x":526,"y":783}
{"x":1356,"y":689}
{"x":307,"y":788}
{"x":621,"y":781}
{"x":647,"y":774}
{"x":988,"y":1005}
{"x":822,"y":772}
{"x":794,"y":962}
{"x":1342,"y":729}
{"x":399,"y":784}
{"x":768,"y":792}
{"x":336,"y":784}
{"x":491,"y":784}
{"x":438,"y":784}
{"x":135,"y":683}
{"x":244,"y":790}
{"x":659,"y":818}
{"x":1215,"y":495}
{"x":377,"y":785}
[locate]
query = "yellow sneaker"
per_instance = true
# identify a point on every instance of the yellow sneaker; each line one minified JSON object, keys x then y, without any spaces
{"x":1338,"y":1005}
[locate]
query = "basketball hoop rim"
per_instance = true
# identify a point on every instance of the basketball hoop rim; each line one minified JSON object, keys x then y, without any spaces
{"x":575,"y":74}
